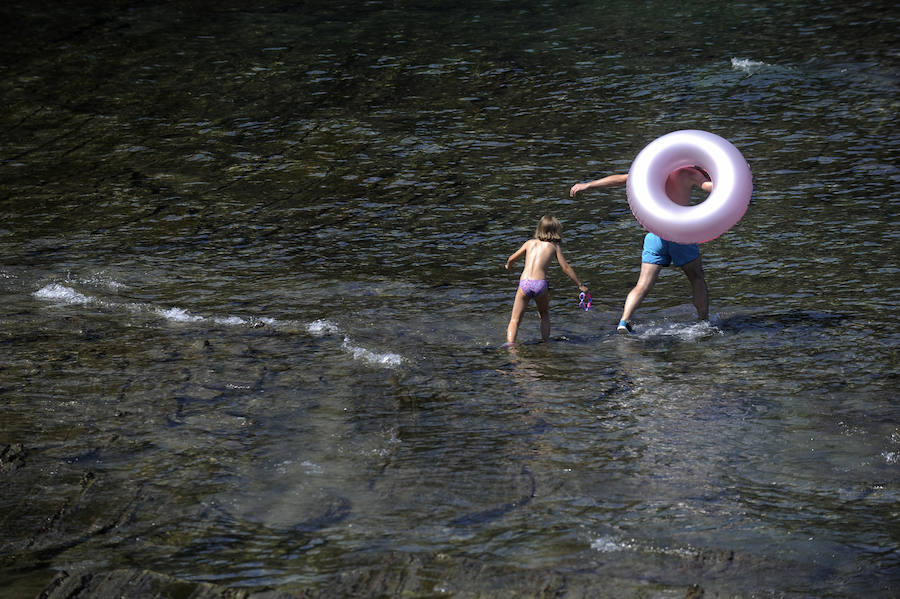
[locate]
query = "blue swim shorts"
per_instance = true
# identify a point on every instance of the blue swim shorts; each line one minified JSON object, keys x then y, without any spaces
{"x":662,"y":252}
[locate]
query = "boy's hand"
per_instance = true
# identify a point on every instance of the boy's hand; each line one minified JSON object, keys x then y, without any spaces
{"x":577,"y":188}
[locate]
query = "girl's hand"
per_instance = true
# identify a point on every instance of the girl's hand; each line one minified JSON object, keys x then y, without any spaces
{"x":583,"y":288}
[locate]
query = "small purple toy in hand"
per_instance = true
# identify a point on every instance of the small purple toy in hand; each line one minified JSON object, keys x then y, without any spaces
{"x":584,"y":301}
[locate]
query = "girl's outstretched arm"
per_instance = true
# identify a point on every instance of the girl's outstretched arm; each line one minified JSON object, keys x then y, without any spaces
{"x":518,"y":254}
{"x":570,"y":272}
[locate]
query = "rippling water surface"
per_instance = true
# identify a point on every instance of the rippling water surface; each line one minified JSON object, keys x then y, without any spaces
{"x":254,"y":299}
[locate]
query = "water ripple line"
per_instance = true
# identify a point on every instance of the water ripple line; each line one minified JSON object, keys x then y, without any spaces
{"x":61,"y":294}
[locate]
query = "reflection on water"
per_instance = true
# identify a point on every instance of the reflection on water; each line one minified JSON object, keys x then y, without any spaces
{"x":253,"y":297}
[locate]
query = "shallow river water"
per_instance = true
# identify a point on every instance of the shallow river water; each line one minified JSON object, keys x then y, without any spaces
{"x":253,"y":298}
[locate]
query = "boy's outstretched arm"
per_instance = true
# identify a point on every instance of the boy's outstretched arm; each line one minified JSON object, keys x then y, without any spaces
{"x":608,"y":181}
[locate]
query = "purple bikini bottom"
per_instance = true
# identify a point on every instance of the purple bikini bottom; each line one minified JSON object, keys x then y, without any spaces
{"x":533,"y":287}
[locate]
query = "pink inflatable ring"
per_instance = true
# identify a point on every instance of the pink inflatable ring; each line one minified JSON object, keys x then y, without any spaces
{"x":730,"y":174}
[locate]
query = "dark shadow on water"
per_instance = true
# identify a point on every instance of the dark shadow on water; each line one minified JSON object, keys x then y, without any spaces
{"x":335,"y":510}
{"x":782,"y":320}
{"x":249,"y":546}
{"x":491,"y":514}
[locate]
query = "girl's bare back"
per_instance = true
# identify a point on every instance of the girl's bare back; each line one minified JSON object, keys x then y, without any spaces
{"x":538,"y":256}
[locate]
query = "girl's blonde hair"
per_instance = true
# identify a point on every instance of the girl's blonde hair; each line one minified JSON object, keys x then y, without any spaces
{"x":549,"y":229}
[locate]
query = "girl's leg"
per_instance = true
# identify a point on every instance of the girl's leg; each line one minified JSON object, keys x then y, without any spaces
{"x":518,"y":311}
{"x":543,"y":305}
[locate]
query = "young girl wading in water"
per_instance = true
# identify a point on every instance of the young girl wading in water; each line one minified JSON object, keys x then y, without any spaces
{"x":539,"y":252}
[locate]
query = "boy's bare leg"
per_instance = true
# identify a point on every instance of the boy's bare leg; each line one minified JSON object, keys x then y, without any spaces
{"x":646,"y":280}
{"x":694,"y":272}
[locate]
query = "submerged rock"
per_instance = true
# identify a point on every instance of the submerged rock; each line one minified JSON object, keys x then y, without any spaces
{"x":12,"y":457}
{"x":141,"y":583}
{"x":394,"y":575}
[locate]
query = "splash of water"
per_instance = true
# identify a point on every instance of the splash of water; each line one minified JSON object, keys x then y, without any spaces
{"x":747,"y":65}
{"x":61,"y":294}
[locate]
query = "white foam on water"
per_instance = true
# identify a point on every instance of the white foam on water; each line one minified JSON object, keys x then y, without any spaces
{"x":61,"y":294}
{"x":311,"y":468}
{"x":389,"y":446}
{"x":230,"y":320}
{"x":178,"y":315}
{"x":747,"y":65}
{"x":683,"y":331}
{"x":381,"y":359}
{"x":611,"y":545}
{"x":321,"y":328}
{"x":607,"y":545}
